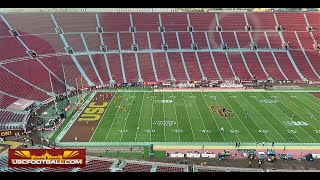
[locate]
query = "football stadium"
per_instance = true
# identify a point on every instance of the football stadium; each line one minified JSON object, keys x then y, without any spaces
{"x":160,"y":90}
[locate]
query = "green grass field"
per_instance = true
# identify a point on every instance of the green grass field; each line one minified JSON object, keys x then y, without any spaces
{"x":188,"y":117}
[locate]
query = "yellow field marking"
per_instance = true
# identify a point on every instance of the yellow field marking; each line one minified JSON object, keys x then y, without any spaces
{"x":13,"y":145}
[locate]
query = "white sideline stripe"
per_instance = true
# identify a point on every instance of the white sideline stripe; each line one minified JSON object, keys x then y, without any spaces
{"x":101,"y":116}
{"x":201,"y":117}
{"x":264,"y":118}
{"x":238,"y":117}
{"x":113,"y":119}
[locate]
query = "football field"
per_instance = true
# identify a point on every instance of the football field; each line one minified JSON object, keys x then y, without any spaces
{"x":210,"y":117}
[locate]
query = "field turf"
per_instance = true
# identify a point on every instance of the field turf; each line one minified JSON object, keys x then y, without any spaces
{"x":199,"y":117}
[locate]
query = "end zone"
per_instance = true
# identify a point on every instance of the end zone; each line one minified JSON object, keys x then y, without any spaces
{"x":84,"y":126}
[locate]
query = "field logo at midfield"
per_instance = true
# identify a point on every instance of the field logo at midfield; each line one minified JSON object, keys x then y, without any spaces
{"x":46,"y":158}
{"x":223,"y":112}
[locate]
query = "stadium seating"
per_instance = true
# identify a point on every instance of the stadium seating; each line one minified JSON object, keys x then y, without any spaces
{"x":30,"y":69}
{"x":291,"y":39}
{"x":115,"y":67}
{"x":260,"y":39}
{"x":232,"y":21}
{"x":207,"y":65}
{"x":306,"y":40}
{"x":145,"y":21}
{"x":177,"y":66}
{"x":126,"y":41}
{"x":313,"y":19}
{"x":238,"y":66}
{"x":93,"y":41}
{"x":71,"y":22}
{"x":292,"y":22}
{"x":97,"y":166}
{"x":229,"y":39}
{"x":130,"y":167}
{"x":314,"y":60}
{"x":6,"y":101}
{"x":13,"y":85}
{"x":114,"y":22}
{"x":161,"y":66}
{"x":111,"y":41}
{"x":146,"y":69}
{"x":87,"y":67}
{"x":203,"y":21}
{"x":169,"y":169}
{"x":72,"y":73}
{"x":244,"y":39}
{"x":11,"y":48}
{"x":130,"y":67}
{"x":270,"y":65}
{"x":31,"y":23}
{"x":44,"y":43}
{"x":171,"y":40}
{"x":254,"y":65}
{"x":141,"y":40}
{"x":261,"y":21}
{"x":303,"y":65}
{"x":101,"y":66}
{"x":223,"y":66}
{"x":8,"y":116}
{"x":174,"y":21}
{"x":214,"y":40}
{"x":192,"y":65}
{"x":37,"y":32}
{"x":286,"y":66}
{"x":200,"y":40}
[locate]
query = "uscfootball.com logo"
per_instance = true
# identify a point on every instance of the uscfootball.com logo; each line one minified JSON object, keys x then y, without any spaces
{"x":47,"y":158}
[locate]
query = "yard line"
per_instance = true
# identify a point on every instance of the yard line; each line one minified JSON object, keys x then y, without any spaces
{"x":239,"y":118}
{"x":276,"y":117}
{"x":263,"y":118}
{"x":189,"y":120}
{"x":298,"y":114}
{"x":290,"y":118}
{"x":102,"y":117}
{"x":201,"y":118}
{"x":153,"y":97}
{"x":214,"y":119}
{"x":175,"y":112}
{"x":128,"y":115}
{"x":114,"y":118}
{"x":164,"y":127}
{"x":251,"y":117}
{"x":308,"y":105}
{"x":231,"y":125}
{"x":305,"y":97}
{"x":135,"y":139}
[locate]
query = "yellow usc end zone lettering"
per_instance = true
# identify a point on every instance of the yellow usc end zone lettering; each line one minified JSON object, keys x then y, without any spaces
{"x":93,"y":112}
